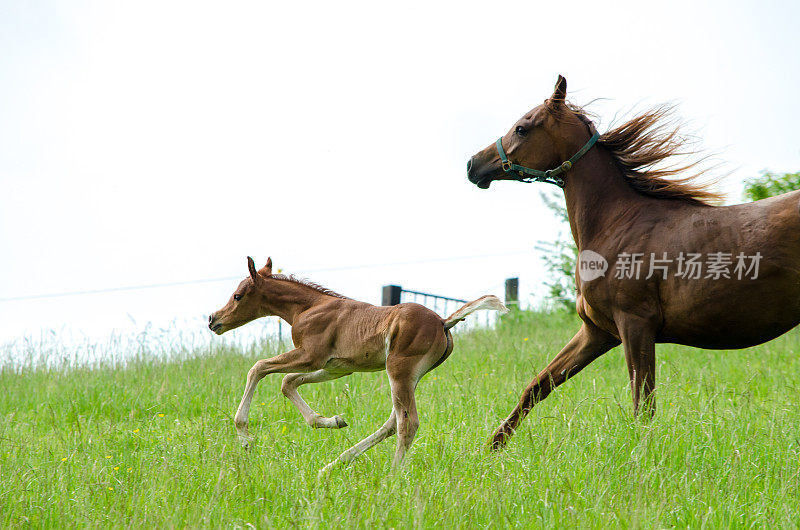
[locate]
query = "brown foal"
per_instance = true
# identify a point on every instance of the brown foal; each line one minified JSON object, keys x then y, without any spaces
{"x":335,"y":336}
{"x":622,"y":209}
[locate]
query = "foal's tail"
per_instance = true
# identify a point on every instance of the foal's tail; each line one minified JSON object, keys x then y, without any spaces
{"x":484,"y":302}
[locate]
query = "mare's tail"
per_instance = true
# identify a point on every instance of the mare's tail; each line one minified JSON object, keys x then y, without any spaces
{"x":484,"y":302}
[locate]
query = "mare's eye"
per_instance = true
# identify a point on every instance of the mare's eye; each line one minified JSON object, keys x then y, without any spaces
{"x":520,"y":130}
{"x":237,"y":297}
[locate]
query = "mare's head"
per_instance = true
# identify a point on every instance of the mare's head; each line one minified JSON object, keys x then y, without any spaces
{"x":542,"y":139}
{"x":246,"y":303}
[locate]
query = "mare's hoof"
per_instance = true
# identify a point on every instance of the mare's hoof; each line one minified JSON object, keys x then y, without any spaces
{"x":340,"y":422}
{"x":499,"y":439}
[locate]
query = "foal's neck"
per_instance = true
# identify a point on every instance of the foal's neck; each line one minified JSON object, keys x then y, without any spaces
{"x":287,"y":299}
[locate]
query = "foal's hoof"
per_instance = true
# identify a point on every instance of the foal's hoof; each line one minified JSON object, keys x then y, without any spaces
{"x":246,"y":441}
{"x":323,"y":473}
{"x":321,"y":422}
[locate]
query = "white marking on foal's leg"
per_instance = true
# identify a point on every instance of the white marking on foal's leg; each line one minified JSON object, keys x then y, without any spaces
{"x":289,"y":388}
{"x":386,"y":430}
{"x":242,"y":413}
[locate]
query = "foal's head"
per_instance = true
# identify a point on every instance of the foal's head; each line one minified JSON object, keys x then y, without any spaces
{"x":542,"y":139}
{"x":246,"y":303}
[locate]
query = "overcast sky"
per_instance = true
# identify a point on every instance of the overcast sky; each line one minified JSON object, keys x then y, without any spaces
{"x":159,"y":142}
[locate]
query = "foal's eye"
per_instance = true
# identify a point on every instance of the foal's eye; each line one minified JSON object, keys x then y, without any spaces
{"x":237,"y":297}
{"x":520,"y":130}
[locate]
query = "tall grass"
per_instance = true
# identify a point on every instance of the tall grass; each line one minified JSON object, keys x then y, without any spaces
{"x":149,"y":442}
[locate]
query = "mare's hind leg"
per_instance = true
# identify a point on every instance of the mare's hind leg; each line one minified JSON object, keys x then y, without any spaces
{"x":297,"y":360}
{"x":289,"y":388}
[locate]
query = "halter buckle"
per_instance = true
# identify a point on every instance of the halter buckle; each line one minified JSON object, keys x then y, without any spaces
{"x":506,"y":166}
{"x":566,"y":166}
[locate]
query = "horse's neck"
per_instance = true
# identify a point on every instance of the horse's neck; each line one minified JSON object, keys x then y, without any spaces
{"x":597,"y":195}
{"x":288,"y":299}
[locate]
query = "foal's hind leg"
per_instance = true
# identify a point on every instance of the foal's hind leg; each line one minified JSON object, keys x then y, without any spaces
{"x":405,"y":408}
{"x":402,"y":420}
{"x":289,"y":388}
{"x":386,"y":430}
{"x":297,"y":360}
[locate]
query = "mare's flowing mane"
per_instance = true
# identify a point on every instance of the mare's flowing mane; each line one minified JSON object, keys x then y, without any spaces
{"x":641,"y":143}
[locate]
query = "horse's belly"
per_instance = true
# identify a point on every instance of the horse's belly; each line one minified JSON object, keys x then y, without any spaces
{"x":739,"y":319}
{"x":726,"y":336}
{"x":366,"y":357}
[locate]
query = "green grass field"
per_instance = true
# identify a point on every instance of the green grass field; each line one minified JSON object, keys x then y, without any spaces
{"x":152,"y":444}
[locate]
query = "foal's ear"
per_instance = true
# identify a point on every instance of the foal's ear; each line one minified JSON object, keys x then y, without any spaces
{"x":560,"y":91}
{"x":251,"y":266}
{"x":267,"y":270}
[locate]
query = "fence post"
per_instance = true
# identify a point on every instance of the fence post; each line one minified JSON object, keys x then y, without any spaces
{"x":512,"y":293}
{"x":391,"y":294}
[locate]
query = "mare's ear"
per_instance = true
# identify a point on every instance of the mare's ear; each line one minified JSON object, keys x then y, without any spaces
{"x":251,"y":266}
{"x":267,"y":270}
{"x":560,"y":91}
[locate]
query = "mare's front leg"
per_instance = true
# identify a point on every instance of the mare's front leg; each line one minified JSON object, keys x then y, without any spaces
{"x":289,"y":388}
{"x":638,"y":339}
{"x":297,"y":360}
{"x":587,"y":345}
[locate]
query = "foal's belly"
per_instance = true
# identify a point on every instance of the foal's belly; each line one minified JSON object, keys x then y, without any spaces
{"x":369,"y":356}
{"x":345,"y":365}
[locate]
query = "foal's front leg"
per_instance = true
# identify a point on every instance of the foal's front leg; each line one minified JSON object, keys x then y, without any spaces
{"x":297,"y":360}
{"x":313,"y":419}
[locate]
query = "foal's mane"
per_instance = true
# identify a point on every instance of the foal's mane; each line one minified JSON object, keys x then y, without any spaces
{"x":317,"y":287}
{"x":641,"y":143}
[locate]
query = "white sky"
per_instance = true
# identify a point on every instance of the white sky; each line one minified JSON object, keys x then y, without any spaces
{"x":157,"y":142}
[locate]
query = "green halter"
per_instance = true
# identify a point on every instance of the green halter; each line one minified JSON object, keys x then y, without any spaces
{"x":550,"y":176}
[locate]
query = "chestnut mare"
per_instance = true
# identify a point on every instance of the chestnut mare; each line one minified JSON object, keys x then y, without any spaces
{"x":624,"y":214}
{"x":335,"y":336}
